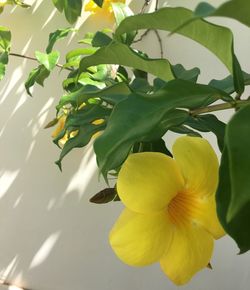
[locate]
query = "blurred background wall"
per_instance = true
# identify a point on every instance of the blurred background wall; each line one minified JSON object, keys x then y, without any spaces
{"x":51,"y":237}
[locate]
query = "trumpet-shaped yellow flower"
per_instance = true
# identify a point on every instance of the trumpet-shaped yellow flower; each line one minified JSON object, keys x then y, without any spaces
{"x":170,"y":215}
{"x":106,"y":7}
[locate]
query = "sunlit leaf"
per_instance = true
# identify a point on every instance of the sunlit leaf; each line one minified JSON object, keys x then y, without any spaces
{"x":49,"y":61}
{"x":56,"y":35}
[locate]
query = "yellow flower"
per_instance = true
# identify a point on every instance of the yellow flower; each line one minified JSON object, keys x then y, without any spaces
{"x":106,"y":7}
{"x":170,"y":215}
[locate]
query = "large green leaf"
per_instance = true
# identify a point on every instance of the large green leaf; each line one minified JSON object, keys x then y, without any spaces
{"x":233,"y":194}
{"x":217,"y":39}
{"x":142,"y":117}
{"x":118,"y":53}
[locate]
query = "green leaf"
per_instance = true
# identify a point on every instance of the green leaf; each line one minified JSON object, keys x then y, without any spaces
{"x":5,"y":38}
{"x":140,"y":85}
{"x":4,"y":59}
{"x":21,"y":3}
{"x":237,"y":142}
{"x":81,"y":121}
{"x":58,"y":34}
{"x":233,"y":194}
{"x":101,"y":39}
{"x":153,"y":146}
{"x":99,"y":2}
{"x":37,"y":75}
{"x":79,"y":52}
{"x":209,"y":123}
{"x":204,"y":9}
{"x":118,"y":53}
{"x":72,"y":8}
{"x":104,"y":196}
{"x":217,"y":39}
{"x":5,"y":44}
{"x":143,"y":117}
{"x":2,"y":70}
{"x":59,"y":4}
{"x":112,"y":95}
{"x":48,"y":60}
{"x":238,"y":77}
{"x":181,"y":73}
{"x":185,"y":130}
{"x":227,"y":84}
{"x":52,"y":123}
{"x":236,"y":9}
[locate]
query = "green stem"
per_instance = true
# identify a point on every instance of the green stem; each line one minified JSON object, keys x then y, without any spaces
{"x":220,"y":107}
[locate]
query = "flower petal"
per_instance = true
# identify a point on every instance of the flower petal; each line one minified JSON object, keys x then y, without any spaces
{"x":190,"y":251}
{"x":198,"y":163}
{"x":206,"y":215}
{"x":139,"y":239}
{"x":148,"y":181}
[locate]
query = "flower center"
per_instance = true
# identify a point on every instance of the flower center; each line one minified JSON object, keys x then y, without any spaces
{"x":181,"y":208}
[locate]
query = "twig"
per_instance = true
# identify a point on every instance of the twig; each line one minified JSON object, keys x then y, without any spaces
{"x":146,"y":3}
{"x":34,"y":59}
{"x":160,"y":41}
{"x":220,"y":107}
{"x":142,"y":36}
{"x":156,"y":5}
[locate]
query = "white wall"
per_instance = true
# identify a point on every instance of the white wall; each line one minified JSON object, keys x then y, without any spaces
{"x":51,"y":237}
